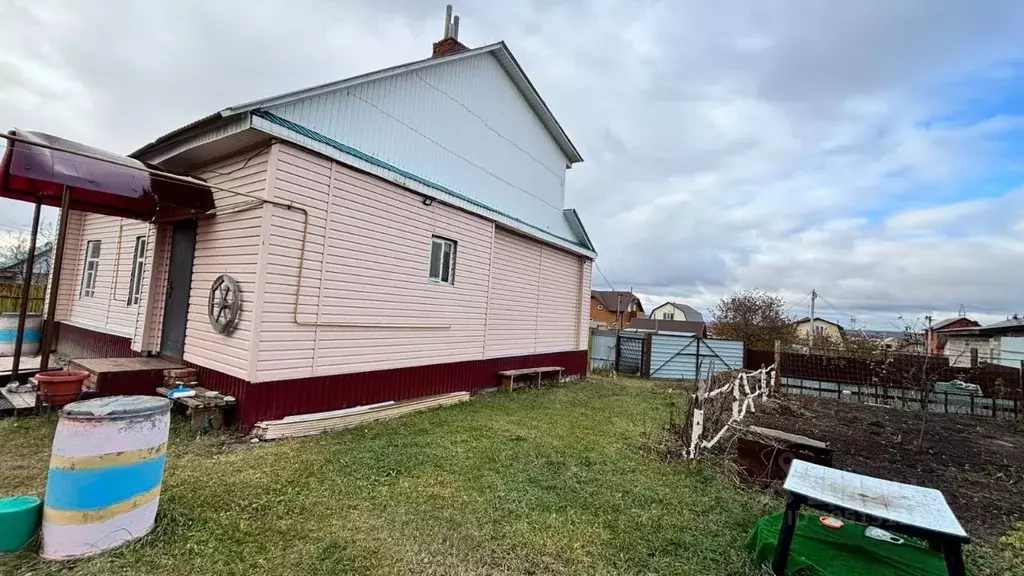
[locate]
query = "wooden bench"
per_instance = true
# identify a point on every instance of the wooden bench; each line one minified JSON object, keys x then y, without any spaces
{"x":204,"y":410}
{"x":509,"y":376}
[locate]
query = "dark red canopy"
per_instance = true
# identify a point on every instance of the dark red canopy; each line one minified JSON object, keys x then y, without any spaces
{"x":33,"y":172}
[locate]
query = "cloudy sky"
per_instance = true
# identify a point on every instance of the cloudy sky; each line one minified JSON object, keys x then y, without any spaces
{"x":873,"y":150}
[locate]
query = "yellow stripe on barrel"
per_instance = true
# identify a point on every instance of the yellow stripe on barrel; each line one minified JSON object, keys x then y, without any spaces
{"x":108,"y":460}
{"x":66,"y":517}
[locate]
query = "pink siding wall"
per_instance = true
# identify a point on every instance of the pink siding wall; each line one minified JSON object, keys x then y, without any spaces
{"x":514,"y":295}
{"x":582,"y":343}
{"x":534,"y":297}
{"x":366,"y":301}
{"x":108,"y":310}
{"x":66,"y":292}
{"x":373,"y":274}
{"x":229,"y":243}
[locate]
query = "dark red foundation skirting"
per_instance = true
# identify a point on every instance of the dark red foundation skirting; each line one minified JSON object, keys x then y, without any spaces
{"x":82,"y":343}
{"x":272,"y":400}
{"x":280,"y":398}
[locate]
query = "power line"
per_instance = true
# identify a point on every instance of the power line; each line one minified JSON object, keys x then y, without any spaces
{"x":802,"y":299}
{"x":834,"y":309}
{"x":598,"y":268}
{"x":488,"y":126}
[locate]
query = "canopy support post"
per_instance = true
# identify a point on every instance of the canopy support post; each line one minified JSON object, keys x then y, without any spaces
{"x":58,"y":262}
{"x":26,"y":291}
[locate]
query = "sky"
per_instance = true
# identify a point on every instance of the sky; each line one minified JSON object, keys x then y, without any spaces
{"x":871,"y":150}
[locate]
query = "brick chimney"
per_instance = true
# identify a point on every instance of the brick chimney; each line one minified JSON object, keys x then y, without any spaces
{"x":449,"y":44}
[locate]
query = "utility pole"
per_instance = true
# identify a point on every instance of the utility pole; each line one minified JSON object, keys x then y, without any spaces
{"x":618,"y":310}
{"x":928,"y":337}
{"x":814,"y":296}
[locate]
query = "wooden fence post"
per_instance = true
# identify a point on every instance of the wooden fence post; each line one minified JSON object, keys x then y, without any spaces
{"x":645,"y":358}
{"x":778,"y":365}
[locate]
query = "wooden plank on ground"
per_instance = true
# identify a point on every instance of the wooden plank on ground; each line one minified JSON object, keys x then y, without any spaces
{"x":274,"y":429}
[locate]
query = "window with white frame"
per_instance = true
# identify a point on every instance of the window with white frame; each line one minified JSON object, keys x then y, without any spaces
{"x":668,"y":315}
{"x":138,"y":265}
{"x":92,"y":264}
{"x":442,"y":260}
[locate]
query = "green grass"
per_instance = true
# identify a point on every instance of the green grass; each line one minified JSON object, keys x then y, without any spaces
{"x":555,"y":481}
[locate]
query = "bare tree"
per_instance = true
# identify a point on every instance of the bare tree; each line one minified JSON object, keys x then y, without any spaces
{"x":14,"y":246}
{"x":754,"y":316}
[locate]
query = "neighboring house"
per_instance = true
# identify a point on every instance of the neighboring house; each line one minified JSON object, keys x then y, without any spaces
{"x":14,"y":272}
{"x":679,"y":326}
{"x":934,"y":338}
{"x":393,"y":235}
{"x":821,"y":327}
{"x":613,"y":308}
{"x":999,"y":343}
{"x":676,"y":311}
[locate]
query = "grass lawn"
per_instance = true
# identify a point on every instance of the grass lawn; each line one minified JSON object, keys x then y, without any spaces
{"x":554,"y":481}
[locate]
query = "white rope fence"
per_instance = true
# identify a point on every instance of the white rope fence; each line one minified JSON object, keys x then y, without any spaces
{"x":744,"y":398}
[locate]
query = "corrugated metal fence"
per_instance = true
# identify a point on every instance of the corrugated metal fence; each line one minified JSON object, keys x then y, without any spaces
{"x":602,"y":349}
{"x":663,"y":355}
{"x":687,"y":357}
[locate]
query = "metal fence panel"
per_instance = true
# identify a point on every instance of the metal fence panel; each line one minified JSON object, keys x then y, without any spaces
{"x":687,"y":357}
{"x":602,"y":349}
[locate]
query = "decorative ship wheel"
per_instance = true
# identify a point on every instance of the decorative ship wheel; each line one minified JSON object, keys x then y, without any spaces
{"x":225,"y":303}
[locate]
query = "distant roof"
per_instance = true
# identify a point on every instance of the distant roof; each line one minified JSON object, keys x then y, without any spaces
{"x":1009,"y":326}
{"x":615,"y":300}
{"x":668,"y":326}
{"x":499,"y":50}
{"x":689,"y":313}
{"x":943,"y":323}
{"x":808,"y":319}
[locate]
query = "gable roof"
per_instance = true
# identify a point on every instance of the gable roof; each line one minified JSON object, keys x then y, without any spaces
{"x":698,"y":328}
{"x":948,"y":321}
{"x":499,"y":50}
{"x":689,"y":312}
{"x":816,"y":320}
{"x":1009,"y":326}
{"x":615,"y":300}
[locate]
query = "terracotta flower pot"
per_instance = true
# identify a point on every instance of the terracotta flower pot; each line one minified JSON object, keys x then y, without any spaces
{"x":60,"y":387}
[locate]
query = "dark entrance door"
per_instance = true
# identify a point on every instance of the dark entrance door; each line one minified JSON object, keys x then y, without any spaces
{"x":179,"y":282}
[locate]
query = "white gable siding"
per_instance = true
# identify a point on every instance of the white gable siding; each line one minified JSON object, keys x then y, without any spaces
{"x":462,"y":125}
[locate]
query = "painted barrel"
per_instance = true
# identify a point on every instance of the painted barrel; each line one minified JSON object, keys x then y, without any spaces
{"x":106,"y":469}
{"x":9,"y":332}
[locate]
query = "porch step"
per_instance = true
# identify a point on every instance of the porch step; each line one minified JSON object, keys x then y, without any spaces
{"x":111,"y":376}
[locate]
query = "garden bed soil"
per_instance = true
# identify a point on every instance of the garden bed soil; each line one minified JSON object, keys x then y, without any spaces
{"x":978,"y":464}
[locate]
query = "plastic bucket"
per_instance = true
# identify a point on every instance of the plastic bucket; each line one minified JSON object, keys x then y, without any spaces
{"x":59,"y":387}
{"x":9,"y":332}
{"x":19,"y":517}
{"x":106,"y":470}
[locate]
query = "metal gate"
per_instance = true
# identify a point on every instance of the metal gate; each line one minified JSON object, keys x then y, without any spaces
{"x":680,"y":357}
{"x":629,"y":353}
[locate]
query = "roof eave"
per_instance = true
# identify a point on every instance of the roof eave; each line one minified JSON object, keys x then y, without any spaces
{"x":198,"y":125}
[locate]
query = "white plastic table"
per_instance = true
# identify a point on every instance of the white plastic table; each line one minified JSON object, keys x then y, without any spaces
{"x":912,"y":510}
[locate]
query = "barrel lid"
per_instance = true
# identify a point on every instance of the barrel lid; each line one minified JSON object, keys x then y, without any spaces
{"x":116,"y":407}
{"x":18,"y":503}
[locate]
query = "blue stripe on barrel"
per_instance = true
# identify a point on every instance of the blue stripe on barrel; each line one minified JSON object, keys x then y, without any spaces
{"x":31,"y":335}
{"x":98,"y":488}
